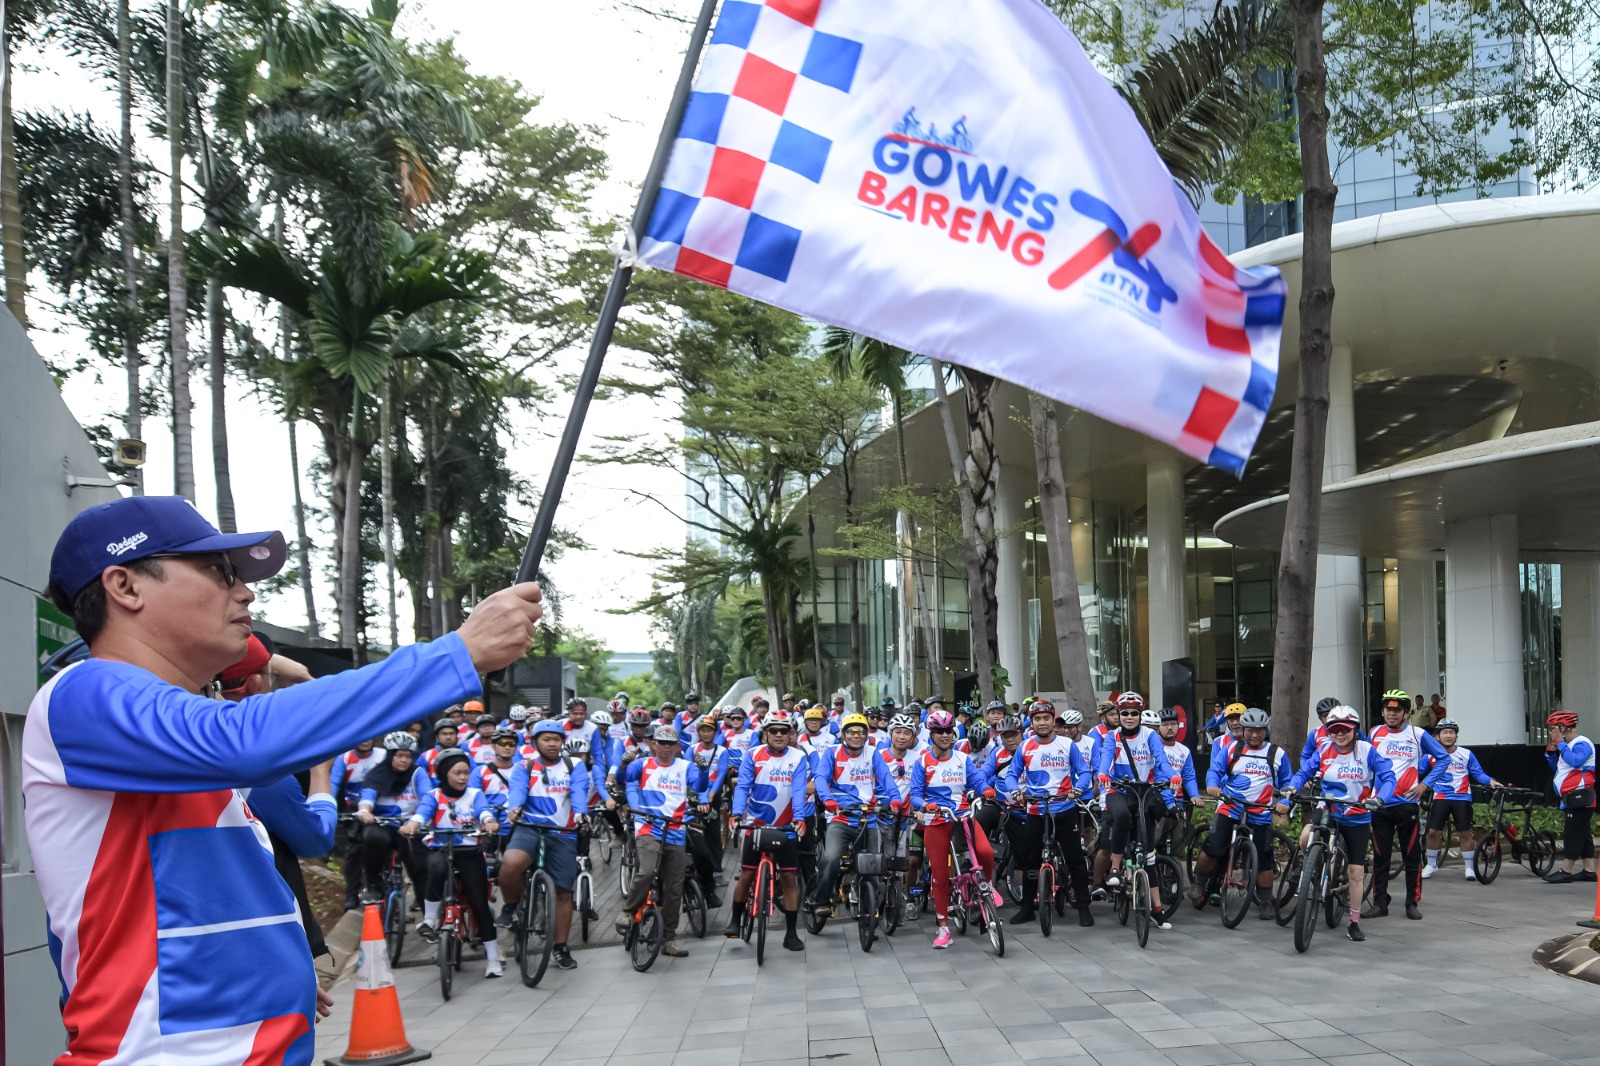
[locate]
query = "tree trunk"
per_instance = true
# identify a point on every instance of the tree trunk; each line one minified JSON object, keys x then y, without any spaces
{"x":769,"y":603}
{"x":430,"y":553}
{"x":385,"y":433}
{"x":15,"y":263}
{"x":216,"y":323}
{"x":133,"y":421}
{"x":1071,"y":643}
{"x":983,"y":482}
{"x":816,"y":613}
{"x":1297,"y":568}
{"x":906,"y":630}
{"x":857,"y":685}
{"x":977,"y":601}
{"x":302,"y":541}
{"x":350,"y":541}
{"x":177,"y":274}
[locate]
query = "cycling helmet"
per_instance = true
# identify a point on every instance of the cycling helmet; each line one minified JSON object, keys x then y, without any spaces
{"x":518,"y":712}
{"x":1009,"y":724}
{"x":691,"y":697}
{"x":399,"y":740}
{"x":1326,"y":704}
{"x":941,"y":720}
{"x":667,"y":707}
{"x":1233,"y":710}
{"x":889,"y":703}
{"x":445,"y":724}
{"x":664,"y":734}
{"x":803,"y":705}
{"x":705,"y":721}
{"x":1447,"y":723}
{"x":815,"y":714}
{"x":1130,"y":699}
{"x":1564,"y":719}
{"x":1255,"y":718}
{"x":929,"y":701}
{"x":1169,"y":714}
{"x":577,"y":701}
{"x":915,"y":708}
{"x":1150,"y":717}
{"x":503,"y":734}
{"x":999,"y":705}
{"x":1071,"y":717}
{"x":448,"y":758}
{"x":778,"y":717}
{"x":903,"y":721}
{"x":854,"y":718}
{"x":640,"y":716}
{"x":622,"y":698}
{"x":576,"y":747}
{"x":473,"y":706}
{"x":485,"y":719}
{"x":548,"y":726}
{"x":1397,"y":697}
{"x":1041,"y":707}
{"x":601,"y":718}
{"x":1345,"y":717}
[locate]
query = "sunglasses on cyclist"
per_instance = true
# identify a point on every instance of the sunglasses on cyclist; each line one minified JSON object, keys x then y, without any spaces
{"x":941,"y":732}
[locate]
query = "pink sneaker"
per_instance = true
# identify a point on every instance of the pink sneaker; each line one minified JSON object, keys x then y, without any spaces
{"x":944,"y":937}
{"x":996,"y":898}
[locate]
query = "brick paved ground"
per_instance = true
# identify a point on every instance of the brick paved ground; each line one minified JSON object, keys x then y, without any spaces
{"x":1455,"y":989}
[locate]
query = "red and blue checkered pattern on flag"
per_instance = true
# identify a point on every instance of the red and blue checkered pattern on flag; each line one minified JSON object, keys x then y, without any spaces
{"x":959,"y":180}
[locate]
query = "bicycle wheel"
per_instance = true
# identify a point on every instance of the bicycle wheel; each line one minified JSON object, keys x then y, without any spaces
{"x":447,"y":970}
{"x":647,"y":941}
{"x":1288,"y":884}
{"x":538,"y":920}
{"x":815,"y":922}
{"x":1166,"y":889}
{"x":992,"y":923}
{"x":694,"y":907}
{"x":583,"y":903}
{"x":1122,"y":905}
{"x":1047,"y":891}
{"x":603,"y":837}
{"x":1141,"y":906}
{"x":1336,"y":894}
{"x":958,"y":908}
{"x":1313,"y":882}
{"x":1239,"y":883}
{"x":394,"y":922}
{"x":762,"y":913}
{"x":866,"y":912}
{"x":629,"y":869}
{"x":1489,"y":858}
{"x":894,"y":906}
{"x":1192,"y":847}
{"x":1541,"y":852}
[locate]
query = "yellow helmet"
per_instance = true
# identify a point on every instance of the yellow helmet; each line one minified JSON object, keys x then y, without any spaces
{"x":853,"y":718}
{"x":1233,"y":710}
{"x":815,"y":714}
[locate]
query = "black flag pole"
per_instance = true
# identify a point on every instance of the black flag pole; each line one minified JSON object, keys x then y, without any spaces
{"x":545,"y":521}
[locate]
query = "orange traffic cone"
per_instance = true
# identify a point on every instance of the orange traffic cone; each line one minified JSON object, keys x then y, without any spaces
{"x":377,"y":1033}
{"x":1593,"y":923}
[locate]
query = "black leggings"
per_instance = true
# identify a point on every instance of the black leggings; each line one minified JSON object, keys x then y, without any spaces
{"x":1120,"y":809}
{"x":1397,"y":821}
{"x":1576,"y":841}
{"x":1028,"y":837}
{"x":472,"y":884}
{"x":378,"y":842}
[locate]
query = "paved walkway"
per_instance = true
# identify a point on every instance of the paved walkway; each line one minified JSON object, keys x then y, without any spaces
{"x":1456,"y":989}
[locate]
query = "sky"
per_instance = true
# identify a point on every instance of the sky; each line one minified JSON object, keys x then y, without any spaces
{"x":600,"y":62}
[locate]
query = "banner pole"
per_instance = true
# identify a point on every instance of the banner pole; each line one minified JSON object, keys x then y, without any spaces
{"x":544,"y":522}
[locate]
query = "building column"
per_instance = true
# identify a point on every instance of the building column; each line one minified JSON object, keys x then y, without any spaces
{"x":1580,"y":642}
{"x":1483,"y":630}
{"x":1012,"y":596}
{"x":1169,"y":613}
{"x":1336,"y":667}
{"x":1419,"y":627}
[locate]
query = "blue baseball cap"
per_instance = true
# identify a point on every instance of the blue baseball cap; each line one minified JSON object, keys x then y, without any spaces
{"x":549,"y":726}
{"x":137,"y":527}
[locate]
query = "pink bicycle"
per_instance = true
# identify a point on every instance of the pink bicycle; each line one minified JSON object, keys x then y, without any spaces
{"x":971,"y":896}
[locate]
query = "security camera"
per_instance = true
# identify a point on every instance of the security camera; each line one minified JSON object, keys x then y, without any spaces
{"x":130,"y":453}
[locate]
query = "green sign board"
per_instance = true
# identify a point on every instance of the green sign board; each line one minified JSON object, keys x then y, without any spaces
{"x":54,"y":630}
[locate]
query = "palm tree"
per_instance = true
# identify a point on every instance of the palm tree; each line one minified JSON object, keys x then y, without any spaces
{"x":133,"y":423}
{"x":177,"y":272}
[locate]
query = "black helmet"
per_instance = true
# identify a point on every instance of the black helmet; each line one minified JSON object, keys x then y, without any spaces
{"x":579,"y":701}
{"x":997,"y":705}
{"x":1169,"y":714}
{"x":1009,"y":724}
{"x":485,"y":719}
{"x":691,"y":697}
{"x":889,"y":704}
{"x":1326,"y":704}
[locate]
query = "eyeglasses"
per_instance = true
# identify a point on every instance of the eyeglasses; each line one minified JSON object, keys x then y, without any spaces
{"x":941,"y":732}
{"x":780,"y":731}
{"x":222,"y":564}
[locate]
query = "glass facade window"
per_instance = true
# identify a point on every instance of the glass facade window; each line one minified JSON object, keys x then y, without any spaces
{"x":1540,"y":587}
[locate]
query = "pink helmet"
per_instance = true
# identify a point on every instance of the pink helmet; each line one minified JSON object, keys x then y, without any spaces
{"x":941,"y":720}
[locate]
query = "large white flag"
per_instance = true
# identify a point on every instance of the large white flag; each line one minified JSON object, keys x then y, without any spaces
{"x":957,"y":179}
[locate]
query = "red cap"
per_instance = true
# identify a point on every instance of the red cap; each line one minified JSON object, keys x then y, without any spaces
{"x":256,"y":657}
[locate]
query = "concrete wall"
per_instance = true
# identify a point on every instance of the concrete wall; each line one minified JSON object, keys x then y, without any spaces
{"x":39,"y":437}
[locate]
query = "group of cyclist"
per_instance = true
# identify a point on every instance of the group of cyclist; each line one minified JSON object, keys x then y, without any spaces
{"x":901,"y":781}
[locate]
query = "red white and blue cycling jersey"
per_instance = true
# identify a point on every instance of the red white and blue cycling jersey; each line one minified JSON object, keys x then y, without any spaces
{"x":899,"y":767}
{"x":398,"y":804}
{"x":665,"y":791}
{"x":1452,"y":777}
{"x":712,"y":759}
{"x":494,"y":782}
{"x":1055,"y":767}
{"x":174,"y":937}
{"x":625,"y":750}
{"x":995,"y":761}
{"x":1251,"y":775}
{"x":589,"y":733}
{"x":1146,"y":750}
{"x":1181,"y":759}
{"x":349,"y":770}
{"x":1352,"y":776}
{"x":816,"y":741}
{"x":772,"y":787}
{"x":427,"y":761}
{"x":852,"y":781}
{"x":1573,"y":763}
{"x":457,"y":819}
{"x":551,"y":795}
{"x":944,"y":782}
{"x":1405,"y":749}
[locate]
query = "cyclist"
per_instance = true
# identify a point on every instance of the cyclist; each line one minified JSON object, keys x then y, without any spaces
{"x":602,"y":733}
{"x":549,"y":797}
{"x":877,"y":726}
{"x":942,"y":778}
{"x":1352,"y":769}
{"x":661,"y":786}
{"x":631,"y":745}
{"x":687,"y":717}
{"x":773,"y":779}
{"x":1319,"y":736}
{"x":1051,"y":763}
{"x":815,"y":737}
{"x":444,"y":738}
{"x":1244,"y":787}
{"x":478,"y":746}
{"x":392,"y":790}
{"x":1572,"y":757}
{"x":578,"y":727}
{"x":899,"y":754}
{"x":457,"y":810}
{"x":1133,"y":752}
{"x":1405,"y":746}
{"x":515,"y":716}
{"x":1106,"y":711}
{"x":1451,"y":782}
{"x":712,"y":759}
{"x":349,"y":770}
{"x":1216,"y":723}
{"x":1179,"y":757}
{"x":851,"y":774}
{"x":1223,"y":745}
{"x":493,"y":778}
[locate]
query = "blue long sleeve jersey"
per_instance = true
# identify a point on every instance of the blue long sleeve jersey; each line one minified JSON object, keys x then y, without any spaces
{"x":305,"y":823}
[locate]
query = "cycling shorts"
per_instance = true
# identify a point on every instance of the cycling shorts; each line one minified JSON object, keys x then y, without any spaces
{"x":1356,"y":838}
{"x":786,"y":857}
{"x":560,"y":851}
{"x":1444,"y":809}
{"x":1222,"y":834}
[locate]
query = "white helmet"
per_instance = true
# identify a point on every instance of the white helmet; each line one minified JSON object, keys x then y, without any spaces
{"x":1150,"y":717}
{"x":399,"y":740}
{"x":518,"y":712}
{"x":903,"y":721}
{"x":601,"y":718}
{"x":1071,"y":717}
{"x":1345,"y":716}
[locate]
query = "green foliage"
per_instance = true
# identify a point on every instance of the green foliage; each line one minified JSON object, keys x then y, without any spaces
{"x":593,"y":660}
{"x":641,"y":689}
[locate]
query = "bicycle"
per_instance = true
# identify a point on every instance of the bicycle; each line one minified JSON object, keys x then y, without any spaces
{"x":1242,"y":867}
{"x":972,"y":898}
{"x":694,"y":898}
{"x":1324,"y":868}
{"x":628,"y":868}
{"x":583,"y":888}
{"x":766,"y":840}
{"x":456,"y":923}
{"x":647,"y":931}
{"x":393,"y":888}
{"x":1051,"y":893}
{"x":860,"y":881}
{"x":1132,"y":896}
{"x":533,"y":926}
{"x":1535,"y":848}
{"x":893,"y":904}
